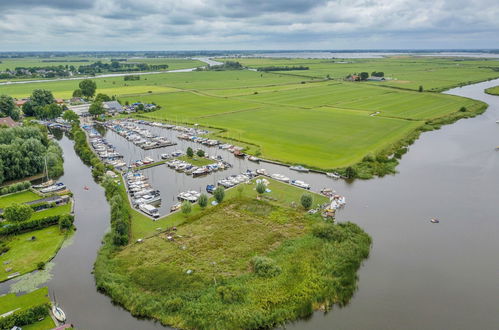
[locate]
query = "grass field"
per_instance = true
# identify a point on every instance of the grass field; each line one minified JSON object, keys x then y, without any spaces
{"x":25,"y":254}
{"x":10,"y":302}
{"x":298,"y":116}
{"x":223,"y":290}
{"x":408,"y":72}
{"x":493,"y":90}
{"x":58,"y":210}
{"x":20,"y":197}
{"x":284,"y":193}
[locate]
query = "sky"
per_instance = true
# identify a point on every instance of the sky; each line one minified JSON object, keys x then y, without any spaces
{"x":90,"y":25}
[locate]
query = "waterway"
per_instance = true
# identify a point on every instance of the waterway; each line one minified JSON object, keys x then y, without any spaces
{"x":419,"y":275}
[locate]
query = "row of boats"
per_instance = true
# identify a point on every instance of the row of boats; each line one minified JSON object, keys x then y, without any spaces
{"x":139,"y":136}
{"x":142,"y":195}
{"x":105,"y":150}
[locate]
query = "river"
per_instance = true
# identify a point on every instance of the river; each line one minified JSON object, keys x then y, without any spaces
{"x":419,"y":275}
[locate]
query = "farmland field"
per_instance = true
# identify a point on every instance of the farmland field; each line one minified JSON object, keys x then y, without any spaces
{"x":408,"y":72}
{"x":299,"y":116}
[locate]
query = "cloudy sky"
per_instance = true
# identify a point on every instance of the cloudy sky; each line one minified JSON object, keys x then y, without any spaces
{"x":247,"y":24}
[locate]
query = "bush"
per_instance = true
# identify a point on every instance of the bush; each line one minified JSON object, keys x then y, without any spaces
{"x":265,"y":267}
{"x":40,"y":265}
{"x":350,"y":172}
{"x":219,"y":194}
{"x":306,"y":201}
{"x":66,"y":221}
{"x":463,"y":109}
{"x":200,"y":153}
{"x":15,"y":187}
{"x":190,"y":152}
{"x":203,"y":200}
{"x":260,"y":187}
{"x":17,"y":212}
{"x":328,"y":232}
{"x":231,"y":293}
{"x":186,"y":207}
{"x":19,"y":227}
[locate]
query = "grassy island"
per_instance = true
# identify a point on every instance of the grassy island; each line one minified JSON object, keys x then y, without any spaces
{"x":492,"y":90}
{"x":246,"y":263}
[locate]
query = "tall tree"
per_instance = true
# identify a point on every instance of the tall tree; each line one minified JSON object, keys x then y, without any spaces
{"x":8,"y":107}
{"x":70,"y":116}
{"x":88,"y":87}
{"x":96,"y":109}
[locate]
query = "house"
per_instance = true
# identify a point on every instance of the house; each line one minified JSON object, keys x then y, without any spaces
{"x":112,"y":106}
{"x":353,"y":77}
{"x":7,"y":121}
{"x":20,"y":103}
{"x":59,"y":101}
{"x":373,"y":78}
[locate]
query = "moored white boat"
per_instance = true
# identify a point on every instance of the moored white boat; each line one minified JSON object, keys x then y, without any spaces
{"x":299,"y":168}
{"x":149,"y":210}
{"x":58,"y":314}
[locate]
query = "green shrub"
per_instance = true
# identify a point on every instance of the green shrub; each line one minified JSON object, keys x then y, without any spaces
{"x":203,"y":200}
{"x":328,"y":232}
{"x":219,"y":194}
{"x":265,"y":267}
{"x":306,"y":201}
{"x":24,"y":317}
{"x":66,"y":221}
{"x":186,"y":207}
{"x":260,"y":187}
{"x":17,"y":212}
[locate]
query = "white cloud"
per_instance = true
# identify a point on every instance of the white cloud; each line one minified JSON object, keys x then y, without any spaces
{"x":240,"y":24}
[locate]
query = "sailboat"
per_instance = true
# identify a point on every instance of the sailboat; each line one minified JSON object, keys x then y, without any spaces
{"x":58,"y":312}
{"x":48,"y":181}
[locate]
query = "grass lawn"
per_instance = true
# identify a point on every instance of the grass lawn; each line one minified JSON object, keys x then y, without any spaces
{"x":24,"y":254}
{"x":196,"y":161}
{"x":58,"y":210}
{"x":284,"y":194}
{"x":217,"y":246}
{"x":10,"y":302}
{"x":19,"y":197}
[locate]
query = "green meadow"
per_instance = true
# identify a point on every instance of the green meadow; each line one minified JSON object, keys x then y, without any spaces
{"x":408,"y":72}
{"x":300,"y":116}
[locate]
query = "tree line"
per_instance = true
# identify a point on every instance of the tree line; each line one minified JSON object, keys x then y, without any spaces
{"x":283,"y":68}
{"x":23,"y":151}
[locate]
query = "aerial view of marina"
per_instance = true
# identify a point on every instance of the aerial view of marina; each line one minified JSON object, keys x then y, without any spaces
{"x":215,"y":165}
